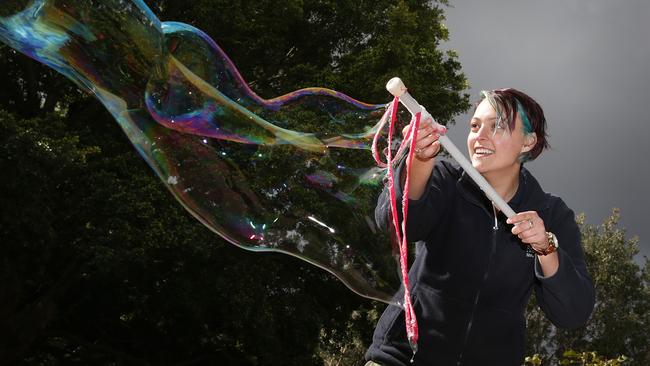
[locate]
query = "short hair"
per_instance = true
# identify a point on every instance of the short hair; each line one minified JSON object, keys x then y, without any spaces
{"x":508,"y":103}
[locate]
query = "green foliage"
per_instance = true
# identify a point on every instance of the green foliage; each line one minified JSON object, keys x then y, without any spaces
{"x":347,"y":345}
{"x":350,"y":46}
{"x":621,"y":318}
{"x":30,"y":89}
{"x":100,"y":265}
{"x":573,"y":358}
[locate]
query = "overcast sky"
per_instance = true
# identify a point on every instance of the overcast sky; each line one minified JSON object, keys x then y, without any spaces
{"x":587,"y":62}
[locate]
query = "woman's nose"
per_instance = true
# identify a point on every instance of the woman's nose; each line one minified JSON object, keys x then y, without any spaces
{"x":483,"y":132}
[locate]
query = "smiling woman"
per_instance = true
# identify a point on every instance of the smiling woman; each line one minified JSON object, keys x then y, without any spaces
{"x":476,"y":269}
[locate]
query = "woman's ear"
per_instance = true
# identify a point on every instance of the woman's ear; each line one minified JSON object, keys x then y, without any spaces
{"x":530,"y":140}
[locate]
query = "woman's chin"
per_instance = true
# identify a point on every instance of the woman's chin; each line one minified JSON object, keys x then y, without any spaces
{"x":478,"y":165}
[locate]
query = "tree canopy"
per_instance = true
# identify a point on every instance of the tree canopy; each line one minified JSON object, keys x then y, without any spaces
{"x":621,"y":318}
{"x":101,"y":265}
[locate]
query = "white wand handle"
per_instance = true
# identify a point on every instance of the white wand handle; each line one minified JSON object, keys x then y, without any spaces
{"x":396,"y":87}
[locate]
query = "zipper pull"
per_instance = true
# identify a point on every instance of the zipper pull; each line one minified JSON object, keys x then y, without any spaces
{"x":496,"y":222}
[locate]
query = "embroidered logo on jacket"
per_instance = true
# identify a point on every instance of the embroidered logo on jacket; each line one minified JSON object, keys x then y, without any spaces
{"x":529,"y":252}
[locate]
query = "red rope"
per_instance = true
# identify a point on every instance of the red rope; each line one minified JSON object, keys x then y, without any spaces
{"x":400,"y":231}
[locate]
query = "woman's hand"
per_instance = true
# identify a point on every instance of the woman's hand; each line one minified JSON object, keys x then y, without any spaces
{"x":529,"y":227}
{"x":427,"y":145}
{"x":426,"y":148}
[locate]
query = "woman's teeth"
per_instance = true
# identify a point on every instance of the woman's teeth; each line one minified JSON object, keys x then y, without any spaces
{"x":483,"y":151}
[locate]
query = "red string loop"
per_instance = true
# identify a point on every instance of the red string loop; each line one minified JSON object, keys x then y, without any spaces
{"x":400,"y":230}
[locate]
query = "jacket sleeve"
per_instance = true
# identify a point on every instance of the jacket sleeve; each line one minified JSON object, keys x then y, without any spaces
{"x":425,"y":213}
{"x":567,"y":297}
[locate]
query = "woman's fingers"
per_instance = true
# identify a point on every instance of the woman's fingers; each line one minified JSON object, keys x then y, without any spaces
{"x":406,"y":130}
{"x":528,"y":227}
{"x":427,"y":152}
{"x":525,"y":222}
{"x":426,"y":127}
{"x":431,"y":150}
{"x":425,"y":138}
{"x":426,"y":144}
{"x":530,"y":236}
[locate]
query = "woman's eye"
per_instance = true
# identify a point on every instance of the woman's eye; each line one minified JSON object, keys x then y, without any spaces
{"x":497,"y":126}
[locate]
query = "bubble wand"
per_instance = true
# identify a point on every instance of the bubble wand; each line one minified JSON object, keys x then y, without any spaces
{"x":396,"y":87}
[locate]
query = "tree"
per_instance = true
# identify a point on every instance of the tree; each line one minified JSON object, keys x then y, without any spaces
{"x":621,"y":318}
{"x":101,"y":265}
{"x":571,"y":357}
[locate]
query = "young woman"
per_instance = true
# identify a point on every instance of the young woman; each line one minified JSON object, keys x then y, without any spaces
{"x":474,"y":273}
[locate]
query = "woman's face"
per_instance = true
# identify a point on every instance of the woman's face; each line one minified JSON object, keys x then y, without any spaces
{"x":493,"y":149}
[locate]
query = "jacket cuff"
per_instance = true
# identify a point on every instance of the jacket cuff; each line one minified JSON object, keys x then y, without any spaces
{"x":558,"y":276}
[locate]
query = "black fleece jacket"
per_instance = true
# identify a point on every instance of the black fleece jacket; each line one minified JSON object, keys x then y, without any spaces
{"x":471,"y":278}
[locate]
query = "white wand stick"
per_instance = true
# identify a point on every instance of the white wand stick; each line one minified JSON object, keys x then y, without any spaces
{"x":396,"y":87}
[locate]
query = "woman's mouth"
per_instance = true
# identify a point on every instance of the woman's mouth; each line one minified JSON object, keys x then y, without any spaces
{"x":482,"y":152}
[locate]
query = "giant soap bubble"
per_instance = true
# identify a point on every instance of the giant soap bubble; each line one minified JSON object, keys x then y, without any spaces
{"x":293,"y":174}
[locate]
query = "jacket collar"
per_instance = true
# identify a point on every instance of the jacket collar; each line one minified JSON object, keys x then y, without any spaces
{"x":529,"y":195}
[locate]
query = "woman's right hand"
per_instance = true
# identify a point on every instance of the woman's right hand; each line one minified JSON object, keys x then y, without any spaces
{"x":427,"y":145}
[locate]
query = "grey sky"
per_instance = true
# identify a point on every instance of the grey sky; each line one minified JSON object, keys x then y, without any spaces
{"x":588,"y":64}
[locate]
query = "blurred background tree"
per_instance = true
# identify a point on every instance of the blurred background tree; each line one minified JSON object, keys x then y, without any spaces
{"x":100,"y":265}
{"x":621,"y":318}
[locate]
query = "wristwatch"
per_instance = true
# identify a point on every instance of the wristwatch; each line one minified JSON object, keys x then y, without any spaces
{"x":553,"y":244}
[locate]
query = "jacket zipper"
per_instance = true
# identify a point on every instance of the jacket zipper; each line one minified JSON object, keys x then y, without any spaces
{"x":468,"y":330}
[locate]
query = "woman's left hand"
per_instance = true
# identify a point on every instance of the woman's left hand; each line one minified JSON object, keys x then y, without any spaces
{"x":529,"y":227}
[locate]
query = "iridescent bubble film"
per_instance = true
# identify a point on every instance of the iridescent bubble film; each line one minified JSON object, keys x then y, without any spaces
{"x":292,"y":174}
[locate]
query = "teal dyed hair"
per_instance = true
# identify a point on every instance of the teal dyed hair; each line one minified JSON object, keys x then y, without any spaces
{"x":528,"y":128}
